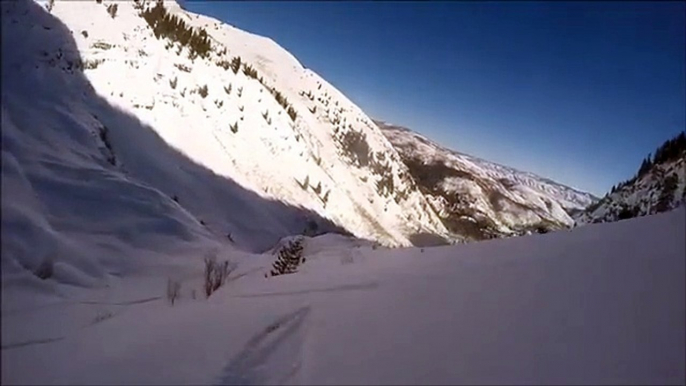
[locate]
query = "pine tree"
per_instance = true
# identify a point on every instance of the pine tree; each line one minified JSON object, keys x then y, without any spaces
{"x":290,"y":257}
{"x":646,"y":165}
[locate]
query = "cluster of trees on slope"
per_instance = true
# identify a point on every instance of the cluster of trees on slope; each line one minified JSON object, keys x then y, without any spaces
{"x":670,"y":150}
{"x":165,"y":25}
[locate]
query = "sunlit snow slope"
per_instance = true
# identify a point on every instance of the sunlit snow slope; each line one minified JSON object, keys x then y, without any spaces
{"x":116,"y":144}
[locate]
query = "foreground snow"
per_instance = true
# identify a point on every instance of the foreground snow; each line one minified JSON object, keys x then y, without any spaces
{"x":598,"y":304}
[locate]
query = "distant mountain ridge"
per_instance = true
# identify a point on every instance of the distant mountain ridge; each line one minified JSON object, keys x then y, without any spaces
{"x":479,"y":199}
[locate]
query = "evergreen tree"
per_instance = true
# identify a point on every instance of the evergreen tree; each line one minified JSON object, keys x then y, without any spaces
{"x":290,"y":257}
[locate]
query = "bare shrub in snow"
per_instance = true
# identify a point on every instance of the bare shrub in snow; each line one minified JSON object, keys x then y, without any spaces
{"x":234,"y":127}
{"x":215,"y":274}
{"x":92,"y":64}
{"x":228,"y":89}
{"x":203,"y":91}
{"x":84,"y":33}
{"x":46,"y":269}
{"x":102,"y":45}
{"x":173,"y":290}
{"x":102,"y":316}
{"x":112,"y":10}
{"x":225,"y":64}
{"x":173,"y":82}
{"x":182,"y":67}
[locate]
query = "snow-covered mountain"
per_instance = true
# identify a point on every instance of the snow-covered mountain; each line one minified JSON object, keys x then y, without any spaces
{"x":146,"y":123}
{"x":480,"y":199}
{"x":658,"y":186}
{"x":118,"y":180}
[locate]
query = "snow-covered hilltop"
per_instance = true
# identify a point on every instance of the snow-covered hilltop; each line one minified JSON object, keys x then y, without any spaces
{"x":137,"y":122}
{"x":658,"y":186}
{"x":481,"y":199}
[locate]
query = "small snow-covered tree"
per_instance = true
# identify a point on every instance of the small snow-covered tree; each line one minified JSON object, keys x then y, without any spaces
{"x":112,"y":10}
{"x":289,"y":258}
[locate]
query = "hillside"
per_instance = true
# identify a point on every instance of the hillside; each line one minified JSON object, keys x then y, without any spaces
{"x":121,"y":140}
{"x":479,"y":199}
{"x":658,"y":186}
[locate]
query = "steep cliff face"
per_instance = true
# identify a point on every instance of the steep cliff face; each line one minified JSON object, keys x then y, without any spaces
{"x":478,"y":199}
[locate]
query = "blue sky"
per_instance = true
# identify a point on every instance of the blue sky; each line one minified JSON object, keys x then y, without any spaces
{"x":578,"y":92}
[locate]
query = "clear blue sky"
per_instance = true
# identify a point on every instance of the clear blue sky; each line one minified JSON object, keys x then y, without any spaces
{"x":578,"y":92}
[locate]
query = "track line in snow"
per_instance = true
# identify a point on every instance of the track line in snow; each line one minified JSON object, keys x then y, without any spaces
{"x":273,"y":354}
{"x":126,"y":303}
{"x":31,"y":343}
{"x":350,"y":287}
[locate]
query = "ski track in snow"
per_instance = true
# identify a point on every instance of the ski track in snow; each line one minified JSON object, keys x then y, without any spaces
{"x":265,"y":348}
{"x":341,"y":288}
{"x":31,"y":343}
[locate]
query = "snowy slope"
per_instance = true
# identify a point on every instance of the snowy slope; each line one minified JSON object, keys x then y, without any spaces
{"x":480,"y":199}
{"x":274,"y":157}
{"x":112,"y":151}
{"x":661,"y":188}
{"x":601,"y":304}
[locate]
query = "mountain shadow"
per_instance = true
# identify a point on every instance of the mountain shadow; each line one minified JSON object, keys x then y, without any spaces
{"x":81,"y":171}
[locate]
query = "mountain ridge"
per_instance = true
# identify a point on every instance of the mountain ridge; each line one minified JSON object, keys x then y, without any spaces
{"x":484,"y":160}
{"x":481,"y":199}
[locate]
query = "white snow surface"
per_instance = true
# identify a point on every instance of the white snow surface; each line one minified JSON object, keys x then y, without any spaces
{"x":600,"y":304}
